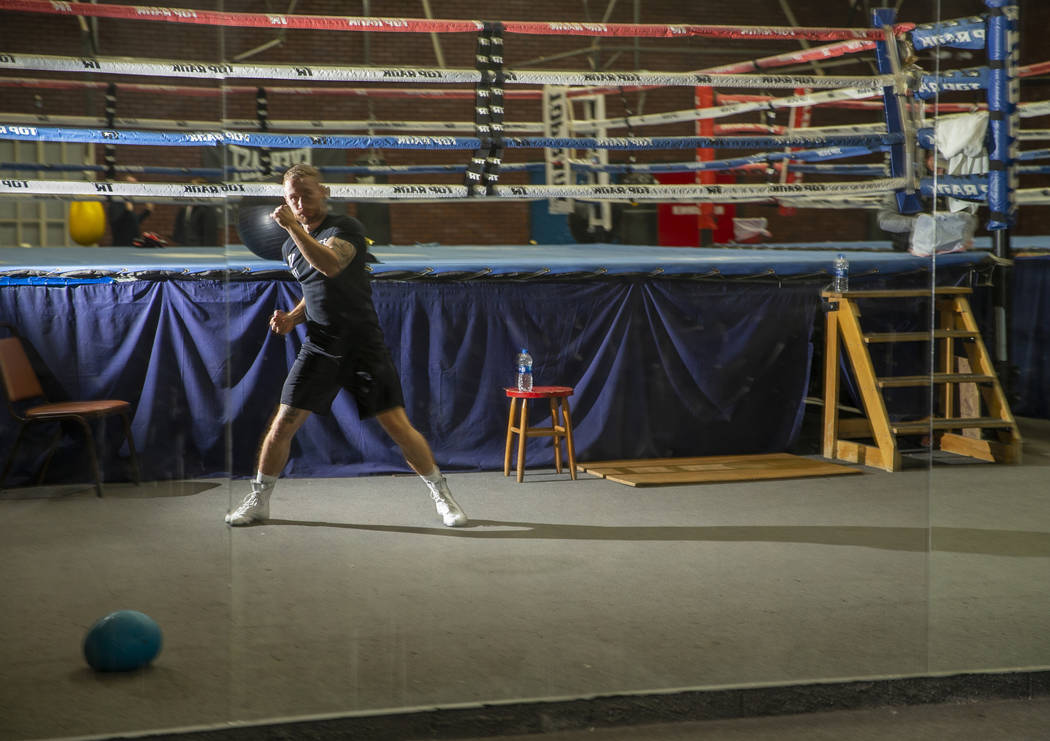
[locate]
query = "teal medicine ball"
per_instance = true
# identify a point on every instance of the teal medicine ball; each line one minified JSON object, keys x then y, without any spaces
{"x":122,"y":641}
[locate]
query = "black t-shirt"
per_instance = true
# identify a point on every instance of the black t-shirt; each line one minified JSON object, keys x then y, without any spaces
{"x":338,"y":308}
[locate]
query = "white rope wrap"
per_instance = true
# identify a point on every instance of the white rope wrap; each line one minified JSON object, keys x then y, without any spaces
{"x":1033,"y":196}
{"x":1034,"y":109}
{"x":165,"y":124}
{"x":333,"y":73}
{"x":361,"y":192}
{"x":697,"y":114}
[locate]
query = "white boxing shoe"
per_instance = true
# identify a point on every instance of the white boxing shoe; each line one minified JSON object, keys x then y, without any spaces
{"x":446,"y":506}
{"x":254,"y":508}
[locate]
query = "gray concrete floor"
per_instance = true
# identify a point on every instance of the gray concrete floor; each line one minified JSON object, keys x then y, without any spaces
{"x":354,"y":598}
{"x":1006,"y":720}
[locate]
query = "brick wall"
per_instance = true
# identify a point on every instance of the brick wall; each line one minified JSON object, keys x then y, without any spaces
{"x":466,"y":223}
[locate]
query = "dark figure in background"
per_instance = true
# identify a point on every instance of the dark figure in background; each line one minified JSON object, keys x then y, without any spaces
{"x":125,"y":224}
{"x":344,"y":347}
{"x":197,"y":225}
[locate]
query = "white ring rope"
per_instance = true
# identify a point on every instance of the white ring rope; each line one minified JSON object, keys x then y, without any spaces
{"x":698,"y":114}
{"x":777,"y":60}
{"x":1033,"y":196}
{"x":164,"y":124}
{"x":214,"y":91}
{"x":334,"y":73}
{"x":763,"y":160}
{"x":1034,"y":109}
{"x":738,"y":193}
{"x":1030,"y":109}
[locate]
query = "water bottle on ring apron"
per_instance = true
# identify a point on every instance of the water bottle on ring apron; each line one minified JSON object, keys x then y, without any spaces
{"x":524,"y":370}
{"x":840,"y":274}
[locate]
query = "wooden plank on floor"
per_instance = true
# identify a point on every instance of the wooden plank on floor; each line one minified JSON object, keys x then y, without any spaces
{"x":712,"y":469}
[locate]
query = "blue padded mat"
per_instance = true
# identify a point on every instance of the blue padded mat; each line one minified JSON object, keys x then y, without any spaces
{"x":783,"y":261}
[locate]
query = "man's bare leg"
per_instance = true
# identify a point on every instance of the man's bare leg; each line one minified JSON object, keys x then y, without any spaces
{"x":419,"y":456}
{"x":273,"y":455}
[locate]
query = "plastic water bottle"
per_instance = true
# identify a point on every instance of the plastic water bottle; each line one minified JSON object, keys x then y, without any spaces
{"x":524,"y":370}
{"x":840,"y":275}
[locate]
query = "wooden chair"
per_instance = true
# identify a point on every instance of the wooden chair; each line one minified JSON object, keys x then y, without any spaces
{"x":21,"y":384}
{"x":558,"y":396}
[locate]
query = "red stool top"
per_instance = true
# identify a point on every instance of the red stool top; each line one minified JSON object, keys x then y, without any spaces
{"x":540,"y":392}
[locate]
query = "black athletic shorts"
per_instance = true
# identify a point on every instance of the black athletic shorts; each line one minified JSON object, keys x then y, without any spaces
{"x":319,"y":372}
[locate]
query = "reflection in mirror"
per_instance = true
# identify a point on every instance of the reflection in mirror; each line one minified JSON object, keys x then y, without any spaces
{"x":788,"y":415}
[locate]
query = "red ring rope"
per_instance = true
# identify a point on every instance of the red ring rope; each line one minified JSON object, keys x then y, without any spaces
{"x":424,"y":25}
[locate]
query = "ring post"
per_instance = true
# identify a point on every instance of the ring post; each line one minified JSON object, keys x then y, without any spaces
{"x":901,"y":161}
{"x":1003,"y":98}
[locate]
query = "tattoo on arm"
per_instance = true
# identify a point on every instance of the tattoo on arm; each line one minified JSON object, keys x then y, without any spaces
{"x":343,"y":250}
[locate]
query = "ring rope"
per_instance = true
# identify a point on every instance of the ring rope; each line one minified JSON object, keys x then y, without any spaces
{"x":212,"y":91}
{"x":686,"y":115}
{"x":372,"y":191}
{"x":1027,"y":109}
{"x":426,"y":25}
{"x":825,"y":154}
{"x":428,"y":75}
{"x":1033,"y":109}
{"x":1033,"y":196}
{"x":211,"y":172}
{"x":868,"y":194}
{"x":218,"y":172}
{"x":1034,"y":154}
{"x":274,"y":124}
{"x":859,"y":104}
{"x":755,"y":161}
{"x":743,"y":163}
{"x":332,"y":141}
{"x":697,"y":114}
{"x":800,"y":56}
{"x":163,"y":124}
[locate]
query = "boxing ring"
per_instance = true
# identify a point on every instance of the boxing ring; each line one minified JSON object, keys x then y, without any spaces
{"x":672,"y":352}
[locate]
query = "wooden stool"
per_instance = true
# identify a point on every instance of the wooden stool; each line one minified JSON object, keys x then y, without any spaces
{"x":558,"y":396}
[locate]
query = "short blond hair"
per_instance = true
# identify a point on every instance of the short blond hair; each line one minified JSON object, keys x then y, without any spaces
{"x":295,"y":172}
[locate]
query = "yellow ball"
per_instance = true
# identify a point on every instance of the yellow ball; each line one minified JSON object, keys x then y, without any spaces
{"x":87,"y":221}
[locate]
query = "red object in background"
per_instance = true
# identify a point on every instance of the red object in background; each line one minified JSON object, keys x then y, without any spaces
{"x":704,"y":97}
{"x":678,"y":224}
{"x":724,"y":213}
{"x":682,"y":224}
{"x":800,"y":119}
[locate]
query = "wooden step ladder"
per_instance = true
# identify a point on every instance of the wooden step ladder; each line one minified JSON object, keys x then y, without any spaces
{"x":957,"y":379}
